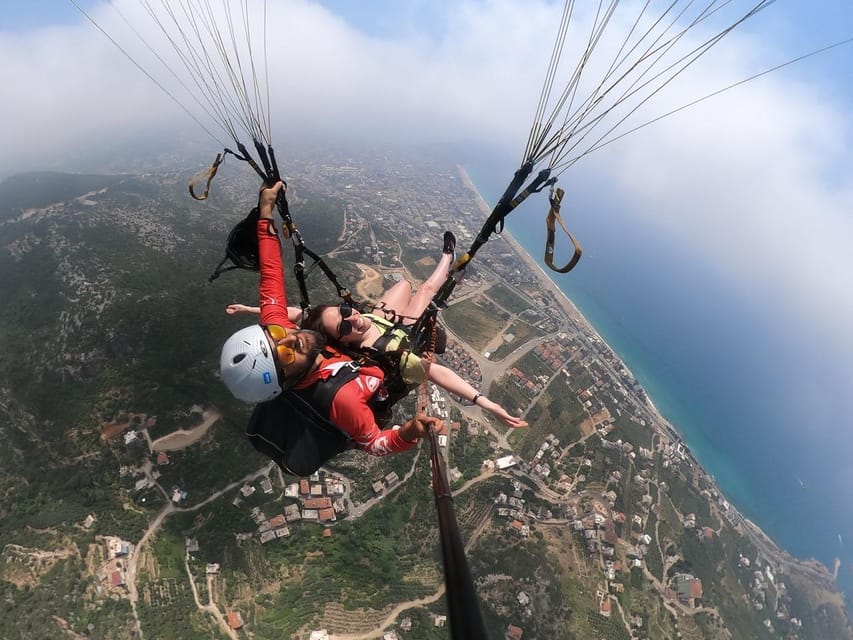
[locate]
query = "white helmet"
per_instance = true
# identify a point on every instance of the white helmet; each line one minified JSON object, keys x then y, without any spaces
{"x":247,"y":366}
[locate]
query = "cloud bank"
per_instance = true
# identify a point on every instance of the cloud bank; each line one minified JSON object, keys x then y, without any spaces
{"x":753,"y":179}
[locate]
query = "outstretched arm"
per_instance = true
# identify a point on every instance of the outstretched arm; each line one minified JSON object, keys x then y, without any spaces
{"x":231,"y":309}
{"x":450,"y":380}
{"x":294,"y":313}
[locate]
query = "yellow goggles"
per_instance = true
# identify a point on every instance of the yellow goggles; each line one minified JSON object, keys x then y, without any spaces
{"x":286,"y":355}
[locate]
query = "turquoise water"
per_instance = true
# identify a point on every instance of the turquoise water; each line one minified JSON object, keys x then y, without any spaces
{"x":759,"y":398}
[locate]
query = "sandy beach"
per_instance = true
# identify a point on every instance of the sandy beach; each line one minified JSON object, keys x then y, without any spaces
{"x":567,"y":305}
{"x":562,"y":299}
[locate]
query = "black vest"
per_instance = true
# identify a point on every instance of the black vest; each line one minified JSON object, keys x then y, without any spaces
{"x":294,"y":429}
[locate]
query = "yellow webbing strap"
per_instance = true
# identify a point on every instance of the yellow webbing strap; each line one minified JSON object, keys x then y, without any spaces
{"x":205,"y":175}
{"x":555,"y":199}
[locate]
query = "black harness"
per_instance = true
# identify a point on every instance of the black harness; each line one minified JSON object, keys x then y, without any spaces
{"x":242,"y":246}
{"x":294,"y":429}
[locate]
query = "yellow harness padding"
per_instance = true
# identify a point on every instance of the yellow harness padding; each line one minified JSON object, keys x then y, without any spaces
{"x":395,"y":339}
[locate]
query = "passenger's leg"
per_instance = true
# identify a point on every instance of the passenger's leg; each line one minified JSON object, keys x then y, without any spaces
{"x":394,"y":301}
{"x":421,"y":299}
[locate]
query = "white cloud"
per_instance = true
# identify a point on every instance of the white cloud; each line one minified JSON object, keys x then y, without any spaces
{"x":752,"y":178}
{"x":755,"y":180}
{"x":413,"y":87}
{"x":72,"y":86}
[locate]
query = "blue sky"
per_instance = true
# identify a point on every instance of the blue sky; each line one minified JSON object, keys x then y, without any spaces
{"x":796,"y":27}
{"x":20,"y":15}
{"x":809,"y":23}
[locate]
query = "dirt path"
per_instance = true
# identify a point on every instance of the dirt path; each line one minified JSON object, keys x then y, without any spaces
{"x":210,"y":607}
{"x":389,"y":619}
{"x":183,"y":438}
{"x":154,"y":526}
{"x":369,"y":287}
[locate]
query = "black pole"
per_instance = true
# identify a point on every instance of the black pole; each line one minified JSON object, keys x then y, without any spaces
{"x":466,"y":623}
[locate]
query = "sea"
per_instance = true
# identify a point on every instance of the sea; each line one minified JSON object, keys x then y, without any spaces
{"x":757,"y":396}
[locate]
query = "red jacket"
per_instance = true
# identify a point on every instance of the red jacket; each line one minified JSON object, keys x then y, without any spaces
{"x":350,"y":411}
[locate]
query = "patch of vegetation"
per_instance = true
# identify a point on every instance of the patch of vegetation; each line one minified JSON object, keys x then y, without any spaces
{"x":628,"y":430}
{"x":60,"y":595}
{"x":522,"y":332}
{"x":556,"y":412}
{"x":475,"y":320}
{"x":653,"y":561}
{"x":607,"y":628}
{"x":685,"y":498}
{"x":507,"y":298}
{"x":467,"y":452}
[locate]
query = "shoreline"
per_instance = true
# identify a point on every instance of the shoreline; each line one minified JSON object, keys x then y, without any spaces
{"x":659,"y":423}
{"x":564,"y":301}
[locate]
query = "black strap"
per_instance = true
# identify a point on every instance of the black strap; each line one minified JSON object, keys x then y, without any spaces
{"x":300,"y":249}
{"x":510,"y":199}
{"x":241,"y":247}
{"x":220,"y":269}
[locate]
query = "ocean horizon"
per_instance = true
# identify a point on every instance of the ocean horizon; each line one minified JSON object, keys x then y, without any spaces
{"x":714,"y":367}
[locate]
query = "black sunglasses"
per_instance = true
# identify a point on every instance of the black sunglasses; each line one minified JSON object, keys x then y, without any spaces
{"x":345,"y":327}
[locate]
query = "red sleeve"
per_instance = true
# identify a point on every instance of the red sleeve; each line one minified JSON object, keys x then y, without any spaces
{"x":350,"y":412}
{"x":271,"y":291}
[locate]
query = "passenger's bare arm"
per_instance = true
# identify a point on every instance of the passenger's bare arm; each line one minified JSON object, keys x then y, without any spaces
{"x":450,"y":380}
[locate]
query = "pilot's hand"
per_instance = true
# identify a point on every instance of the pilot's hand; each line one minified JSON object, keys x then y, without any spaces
{"x":420,"y":426}
{"x":267,"y":198}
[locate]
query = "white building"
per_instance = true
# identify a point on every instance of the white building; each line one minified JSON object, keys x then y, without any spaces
{"x":505,"y":462}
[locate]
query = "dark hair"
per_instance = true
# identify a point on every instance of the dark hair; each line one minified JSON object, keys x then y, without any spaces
{"x":313,"y":320}
{"x":316,"y":349}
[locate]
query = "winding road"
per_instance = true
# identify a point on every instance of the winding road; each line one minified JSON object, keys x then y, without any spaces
{"x":170,"y":508}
